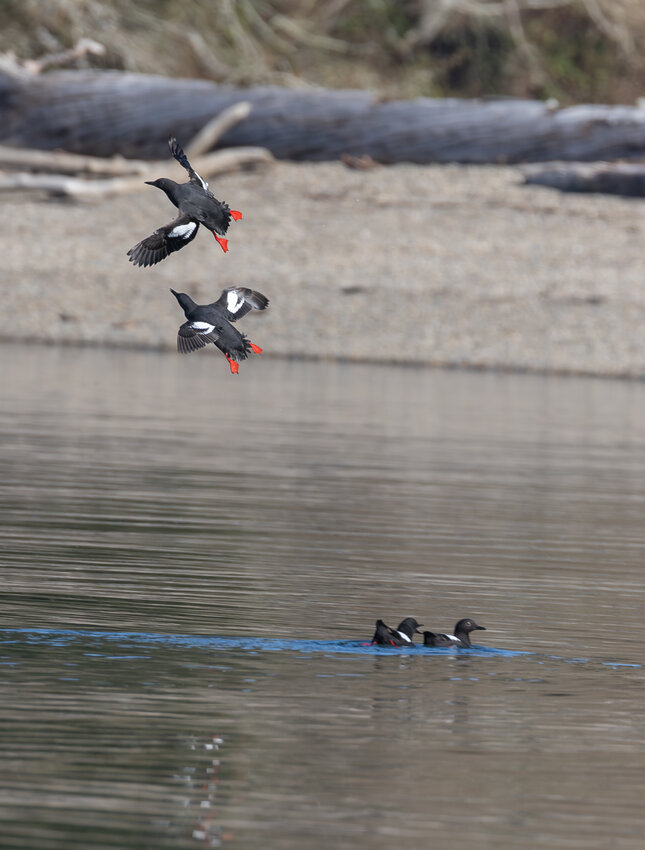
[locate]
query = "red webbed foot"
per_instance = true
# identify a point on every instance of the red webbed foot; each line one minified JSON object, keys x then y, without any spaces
{"x":234,"y":366}
{"x":236,"y":215}
{"x":255,"y":348}
{"x":223,"y":242}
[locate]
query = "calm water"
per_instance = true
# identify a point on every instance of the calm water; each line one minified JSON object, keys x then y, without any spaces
{"x":190,"y":562}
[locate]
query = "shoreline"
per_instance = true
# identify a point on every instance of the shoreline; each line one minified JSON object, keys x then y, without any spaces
{"x":340,"y":361}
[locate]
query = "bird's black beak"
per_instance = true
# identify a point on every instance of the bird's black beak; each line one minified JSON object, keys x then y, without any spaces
{"x":418,"y":628}
{"x":481,"y":628}
{"x":150,"y":182}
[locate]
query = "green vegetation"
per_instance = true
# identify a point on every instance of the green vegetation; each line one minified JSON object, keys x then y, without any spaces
{"x":579,"y":60}
{"x":575,"y":50}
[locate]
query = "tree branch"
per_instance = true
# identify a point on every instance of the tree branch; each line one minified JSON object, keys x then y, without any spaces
{"x":217,"y":127}
{"x":86,"y":190}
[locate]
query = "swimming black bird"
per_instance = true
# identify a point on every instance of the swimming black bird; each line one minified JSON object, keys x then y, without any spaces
{"x":212,"y":323}
{"x":196,"y":204}
{"x":401,"y":636}
{"x":460,"y":638}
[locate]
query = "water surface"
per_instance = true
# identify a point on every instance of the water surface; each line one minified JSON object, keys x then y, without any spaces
{"x":191,"y":561}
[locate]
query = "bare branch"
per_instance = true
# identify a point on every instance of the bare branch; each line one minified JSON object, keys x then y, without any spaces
{"x":205,"y":57}
{"x":434,"y":14}
{"x":71,"y":187}
{"x":87,"y":190}
{"x":297,"y":31}
{"x":617,"y":32}
{"x":217,"y":127}
{"x":83,"y":47}
{"x":60,"y":162}
{"x":516,"y":27}
{"x":229,"y":159}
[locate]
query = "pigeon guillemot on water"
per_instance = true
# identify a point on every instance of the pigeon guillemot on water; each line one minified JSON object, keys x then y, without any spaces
{"x":461,"y":636}
{"x":211,"y":323}
{"x":401,"y":636}
{"x":196,"y":205}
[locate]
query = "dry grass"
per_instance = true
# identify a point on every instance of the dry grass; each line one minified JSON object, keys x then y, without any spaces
{"x":571,"y":49}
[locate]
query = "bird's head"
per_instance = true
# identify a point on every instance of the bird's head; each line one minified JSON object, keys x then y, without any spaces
{"x":164,"y":183}
{"x":185,"y":301}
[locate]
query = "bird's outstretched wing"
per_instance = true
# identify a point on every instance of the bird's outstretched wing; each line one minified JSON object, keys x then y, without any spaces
{"x":195,"y":335}
{"x":178,"y":152}
{"x":171,"y":237}
{"x":237,"y":301}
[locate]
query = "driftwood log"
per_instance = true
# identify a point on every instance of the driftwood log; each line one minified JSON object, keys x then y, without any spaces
{"x":217,"y":162}
{"x":102,"y":113}
{"x":620,"y":178}
{"x":116,"y":171}
{"x":60,"y":162}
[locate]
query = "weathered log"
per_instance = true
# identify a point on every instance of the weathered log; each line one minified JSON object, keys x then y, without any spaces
{"x":107,"y":112}
{"x":60,"y":162}
{"x":87,"y":190}
{"x":622,"y":178}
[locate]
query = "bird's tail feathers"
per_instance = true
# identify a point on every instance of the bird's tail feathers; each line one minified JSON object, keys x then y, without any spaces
{"x":178,"y":152}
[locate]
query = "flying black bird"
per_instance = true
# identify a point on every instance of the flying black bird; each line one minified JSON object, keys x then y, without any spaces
{"x":212,"y":323}
{"x":196,"y":204}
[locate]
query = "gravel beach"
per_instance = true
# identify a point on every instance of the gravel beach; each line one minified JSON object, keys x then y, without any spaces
{"x":444,"y":265}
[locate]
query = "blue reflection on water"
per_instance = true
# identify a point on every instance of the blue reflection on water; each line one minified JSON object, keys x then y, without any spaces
{"x":63,"y":637}
{"x":131,"y":641}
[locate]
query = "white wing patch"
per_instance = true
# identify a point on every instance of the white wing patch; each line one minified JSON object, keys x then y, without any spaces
{"x":183,"y":231}
{"x":453,"y":637}
{"x":202,"y":327}
{"x":404,"y":637}
{"x":234,"y":301}
{"x":201,"y":180}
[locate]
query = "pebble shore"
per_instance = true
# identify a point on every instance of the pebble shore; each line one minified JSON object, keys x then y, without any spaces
{"x":443,"y":265}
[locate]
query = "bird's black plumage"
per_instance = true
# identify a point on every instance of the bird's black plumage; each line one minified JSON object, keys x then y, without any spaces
{"x":212,"y":323}
{"x":461,"y":636}
{"x":196,"y":204}
{"x":401,"y":636}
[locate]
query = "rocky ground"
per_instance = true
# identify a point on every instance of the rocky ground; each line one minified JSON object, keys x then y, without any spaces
{"x":449,"y":265}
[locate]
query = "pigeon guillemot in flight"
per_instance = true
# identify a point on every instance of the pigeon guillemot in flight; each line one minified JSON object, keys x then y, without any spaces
{"x":211,"y":323}
{"x":196,"y":205}
{"x":461,"y":636}
{"x":401,"y":636}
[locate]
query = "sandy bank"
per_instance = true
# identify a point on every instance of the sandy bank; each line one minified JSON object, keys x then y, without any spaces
{"x":443,"y":265}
